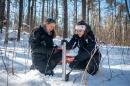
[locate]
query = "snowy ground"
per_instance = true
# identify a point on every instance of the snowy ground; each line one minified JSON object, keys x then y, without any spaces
{"x":114,"y":68}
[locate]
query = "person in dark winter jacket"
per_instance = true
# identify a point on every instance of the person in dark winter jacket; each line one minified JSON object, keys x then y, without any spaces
{"x":44,"y":57}
{"x":84,"y":39}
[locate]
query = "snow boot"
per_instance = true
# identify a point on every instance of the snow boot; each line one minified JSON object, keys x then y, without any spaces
{"x":49,"y":72}
{"x":32,"y":67}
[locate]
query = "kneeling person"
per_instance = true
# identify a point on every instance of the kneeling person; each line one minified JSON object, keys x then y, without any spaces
{"x":44,"y":57}
{"x":84,"y":39}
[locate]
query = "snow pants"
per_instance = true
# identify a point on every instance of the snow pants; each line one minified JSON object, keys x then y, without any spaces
{"x":44,"y":62}
{"x":81,"y":60}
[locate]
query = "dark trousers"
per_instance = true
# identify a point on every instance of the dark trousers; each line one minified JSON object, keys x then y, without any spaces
{"x":46,"y":62}
{"x":82,"y":59}
{"x":55,"y":59}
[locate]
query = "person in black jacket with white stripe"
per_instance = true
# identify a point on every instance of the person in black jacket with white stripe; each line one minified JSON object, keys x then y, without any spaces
{"x":84,"y":39}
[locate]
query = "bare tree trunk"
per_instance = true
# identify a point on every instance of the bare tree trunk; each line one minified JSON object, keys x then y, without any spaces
{"x":20,"y":19}
{"x":88,"y":7}
{"x":52,"y":9}
{"x":115,"y":23}
{"x":112,"y":26}
{"x":4,"y":63}
{"x":28,"y":15}
{"x":56,"y":16}
{"x":99,"y":13}
{"x":75,"y":12}
{"x":126,"y":22}
{"x":2,"y":10}
{"x":43,"y":7}
{"x":127,"y":8}
{"x":65,"y":32}
{"x":84,"y":10}
{"x":57,"y":11}
{"x":99,"y":21}
{"x":93,"y":19}
{"x":13,"y":57}
{"x":120,"y":28}
{"x":34,"y":23}
{"x":31,"y":16}
{"x":123,"y":33}
{"x":49,"y":2}
{"x":8,"y":17}
{"x":115,"y":7}
{"x":88,"y":15}
{"x":47,"y":8}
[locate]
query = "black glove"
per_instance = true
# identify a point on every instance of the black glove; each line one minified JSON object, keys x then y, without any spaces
{"x":62,"y":41}
{"x":55,"y":46}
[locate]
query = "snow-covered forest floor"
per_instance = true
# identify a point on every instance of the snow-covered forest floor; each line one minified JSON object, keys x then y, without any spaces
{"x":114,"y":68}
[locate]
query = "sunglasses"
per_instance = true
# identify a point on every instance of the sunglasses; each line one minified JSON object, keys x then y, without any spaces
{"x":79,"y":31}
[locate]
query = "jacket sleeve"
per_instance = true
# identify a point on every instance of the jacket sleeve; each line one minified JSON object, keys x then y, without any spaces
{"x":47,"y":40}
{"x":72,"y":43}
{"x":89,"y":43}
{"x":34,"y":40}
{"x":37,"y":37}
{"x":91,"y":39}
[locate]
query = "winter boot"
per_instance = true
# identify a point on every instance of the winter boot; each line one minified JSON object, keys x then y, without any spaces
{"x":49,"y":72}
{"x":32,"y":67}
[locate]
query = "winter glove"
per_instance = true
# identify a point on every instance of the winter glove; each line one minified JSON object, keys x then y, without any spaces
{"x":62,"y":41}
{"x":55,"y":46}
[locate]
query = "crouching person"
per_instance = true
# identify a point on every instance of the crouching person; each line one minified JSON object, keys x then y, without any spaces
{"x":88,"y":51}
{"x":44,"y":57}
